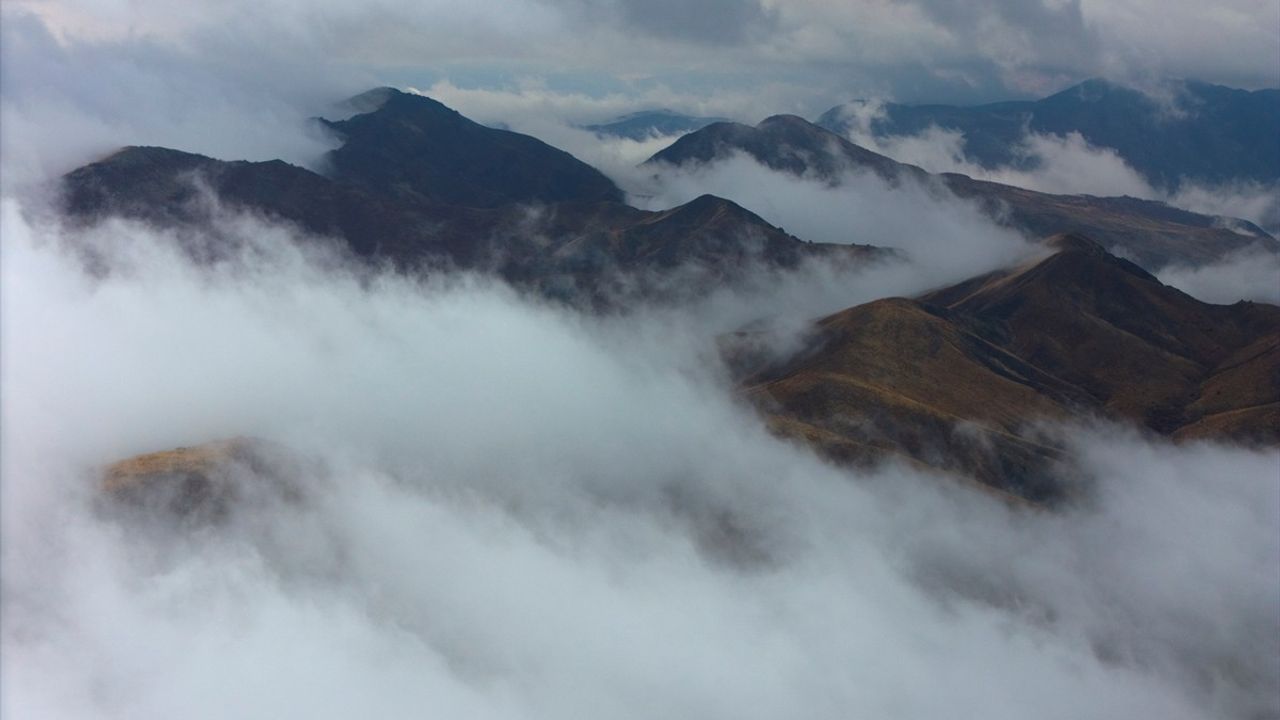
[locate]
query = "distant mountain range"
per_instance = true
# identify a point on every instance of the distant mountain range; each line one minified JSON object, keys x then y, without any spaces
{"x":648,"y":124}
{"x":1152,"y":233}
{"x":418,"y":185}
{"x":1182,"y":131}
{"x":958,"y":378}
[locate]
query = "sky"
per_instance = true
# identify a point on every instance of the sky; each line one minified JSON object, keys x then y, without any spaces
{"x":797,"y":55}
{"x":239,"y":79}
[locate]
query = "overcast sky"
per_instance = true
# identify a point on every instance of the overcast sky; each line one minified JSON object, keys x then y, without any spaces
{"x":797,"y":55}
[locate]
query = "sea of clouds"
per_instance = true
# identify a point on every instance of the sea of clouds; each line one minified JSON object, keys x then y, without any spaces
{"x":516,"y":510}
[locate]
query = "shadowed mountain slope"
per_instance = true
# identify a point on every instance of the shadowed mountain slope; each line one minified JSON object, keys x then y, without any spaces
{"x":584,"y":251}
{"x":413,"y":146}
{"x":1153,"y":233}
{"x":170,"y":187}
{"x":959,"y":378}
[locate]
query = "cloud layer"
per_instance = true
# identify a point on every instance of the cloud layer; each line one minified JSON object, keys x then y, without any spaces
{"x":522,"y":512}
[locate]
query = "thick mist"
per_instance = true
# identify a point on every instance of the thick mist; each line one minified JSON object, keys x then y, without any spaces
{"x":511,"y":510}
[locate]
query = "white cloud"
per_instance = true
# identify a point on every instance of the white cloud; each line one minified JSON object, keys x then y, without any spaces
{"x":1168,"y":38}
{"x":518,"y":518}
{"x":1247,"y":275}
{"x":1256,"y":202}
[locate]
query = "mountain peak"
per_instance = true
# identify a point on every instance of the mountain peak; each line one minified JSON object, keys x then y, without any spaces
{"x":786,"y":143}
{"x":960,"y":377}
{"x":412,"y":145}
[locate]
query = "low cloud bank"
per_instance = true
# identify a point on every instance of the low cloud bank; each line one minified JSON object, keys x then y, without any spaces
{"x":944,"y":238}
{"x":523,"y":512}
{"x":1242,"y":276}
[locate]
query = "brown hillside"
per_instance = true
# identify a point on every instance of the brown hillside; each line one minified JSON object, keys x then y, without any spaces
{"x":959,"y":378}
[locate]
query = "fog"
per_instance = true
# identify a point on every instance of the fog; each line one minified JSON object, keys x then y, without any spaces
{"x":511,"y":510}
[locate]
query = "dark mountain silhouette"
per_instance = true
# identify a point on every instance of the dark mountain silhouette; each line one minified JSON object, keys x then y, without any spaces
{"x":648,"y":124}
{"x":171,"y":187}
{"x":783,"y":142}
{"x":584,"y":251}
{"x":1153,"y":233}
{"x":959,"y":378}
{"x":413,"y":146}
{"x":1195,"y":131}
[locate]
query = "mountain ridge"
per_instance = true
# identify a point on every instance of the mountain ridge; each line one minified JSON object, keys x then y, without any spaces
{"x":1179,"y":130}
{"x":1154,"y":233}
{"x":963,"y":377}
{"x":577,"y":251}
{"x":647,"y":124}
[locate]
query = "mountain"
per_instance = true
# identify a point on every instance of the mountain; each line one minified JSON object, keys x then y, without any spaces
{"x":170,"y":187}
{"x":413,"y":146}
{"x":785,"y":143}
{"x":958,"y":378}
{"x":648,"y":124}
{"x":1152,"y":233}
{"x":1187,"y":130}
{"x":581,"y":252}
{"x":420,"y":186}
